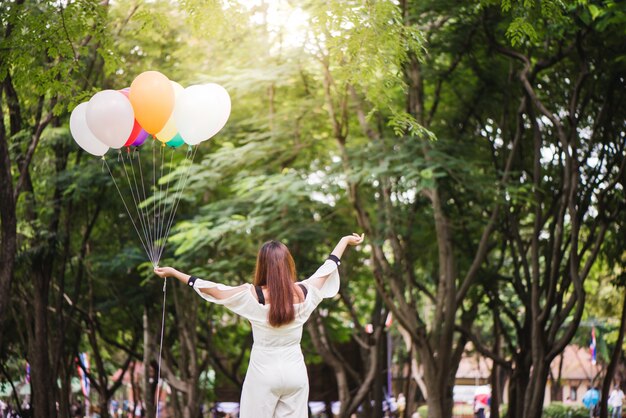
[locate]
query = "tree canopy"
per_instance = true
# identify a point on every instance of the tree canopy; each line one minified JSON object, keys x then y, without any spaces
{"x":479,"y":145}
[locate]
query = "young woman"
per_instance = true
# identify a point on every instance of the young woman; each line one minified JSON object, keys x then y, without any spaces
{"x":276,"y":384}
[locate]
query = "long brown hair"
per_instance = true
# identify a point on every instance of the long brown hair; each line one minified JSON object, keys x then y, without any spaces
{"x":276,"y":270}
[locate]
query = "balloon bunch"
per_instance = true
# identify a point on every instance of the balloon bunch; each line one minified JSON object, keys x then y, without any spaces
{"x":152,"y":106}
{"x":158,"y":108}
{"x":172,"y":115}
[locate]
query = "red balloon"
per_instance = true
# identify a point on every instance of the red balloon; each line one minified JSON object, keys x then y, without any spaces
{"x":133,"y":134}
{"x":136,"y":127}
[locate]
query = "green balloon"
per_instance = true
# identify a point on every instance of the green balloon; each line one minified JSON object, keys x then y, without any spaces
{"x":175,"y":142}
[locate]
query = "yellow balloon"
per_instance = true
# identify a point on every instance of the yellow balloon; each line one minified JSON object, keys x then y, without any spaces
{"x":152,"y":97}
{"x":170,"y":129}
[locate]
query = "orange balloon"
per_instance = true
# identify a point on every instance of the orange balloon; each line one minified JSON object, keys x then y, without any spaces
{"x":152,"y":97}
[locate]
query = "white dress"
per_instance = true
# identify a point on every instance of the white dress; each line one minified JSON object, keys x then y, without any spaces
{"x":276,"y":383}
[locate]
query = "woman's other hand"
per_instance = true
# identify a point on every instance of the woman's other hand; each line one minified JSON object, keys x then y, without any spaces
{"x":354,"y":239}
{"x":164,"y":272}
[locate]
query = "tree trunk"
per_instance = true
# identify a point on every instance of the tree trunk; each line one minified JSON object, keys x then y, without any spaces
{"x":410,"y":398}
{"x":438,"y":407}
{"x":556,"y":391}
{"x":377,"y":388}
{"x":41,"y":370}
{"x":65,"y":393}
{"x":323,"y":346}
{"x":494,"y":406}
{"x":149,"y":379}
{"x":615,"y":358}
{"x":175,"y":400}
{"x":8,"y":219}
{"x":103,"y":403}
{"x":535,"y":407}
{"x":517,"y":387}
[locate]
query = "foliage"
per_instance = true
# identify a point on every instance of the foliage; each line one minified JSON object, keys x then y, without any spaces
{"x":312,"y":120}
{"x":559,"y":410}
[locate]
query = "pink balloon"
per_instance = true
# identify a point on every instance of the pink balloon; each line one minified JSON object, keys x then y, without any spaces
{"x":110,"y":117}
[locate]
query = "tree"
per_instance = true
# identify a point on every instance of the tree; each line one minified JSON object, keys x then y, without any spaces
{"x":564,"y":199}
{"x":33,"y":107}
{"x":397,"y":176}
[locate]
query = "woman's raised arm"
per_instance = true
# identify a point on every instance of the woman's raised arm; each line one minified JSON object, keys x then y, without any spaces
{"x":216,"y":292}
{"x":354,"y":239}
{"x":335,"y":255}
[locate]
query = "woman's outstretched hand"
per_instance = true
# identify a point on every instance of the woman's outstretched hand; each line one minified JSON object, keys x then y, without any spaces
{"x":354,"y":239}
{"x":164,"y":272}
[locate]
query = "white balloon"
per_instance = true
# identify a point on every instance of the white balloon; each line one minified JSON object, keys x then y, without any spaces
{"x":82,"y":134}
{"x":110,"y":117}
{"x":201,"y":111}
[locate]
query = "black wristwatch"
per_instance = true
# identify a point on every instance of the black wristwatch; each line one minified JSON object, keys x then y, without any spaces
{"x":334,"y":258}
{"x":192,"y":280}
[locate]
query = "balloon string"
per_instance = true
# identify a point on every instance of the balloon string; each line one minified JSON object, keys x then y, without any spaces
{"x":160,"y":205}
{"x":177,"y":194}
{"x":139,"y":217}
{"x":154,"y":170}
{"x":140,"y":208}
{"x":171,"y":213}
{"x":125,"y":206}
{"x":158,"y":394}
{"x":187,"y":175}
{"x":142,"y":222}
{"x":143,"y":187}
{"x":167,"y":190}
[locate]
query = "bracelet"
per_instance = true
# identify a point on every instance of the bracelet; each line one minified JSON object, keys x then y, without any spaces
{"x":334,"y":258}
{"x":192,"y":280}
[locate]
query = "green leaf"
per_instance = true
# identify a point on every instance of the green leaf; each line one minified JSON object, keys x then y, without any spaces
{"x":595,"y":11}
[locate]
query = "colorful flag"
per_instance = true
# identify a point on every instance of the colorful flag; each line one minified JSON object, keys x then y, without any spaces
{"x":84,"y":379}
{"x":389,"y":320}
{"x":592,"y":345}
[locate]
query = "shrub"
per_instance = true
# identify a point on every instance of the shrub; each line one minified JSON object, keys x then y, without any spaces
{"x":560,"y":410}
